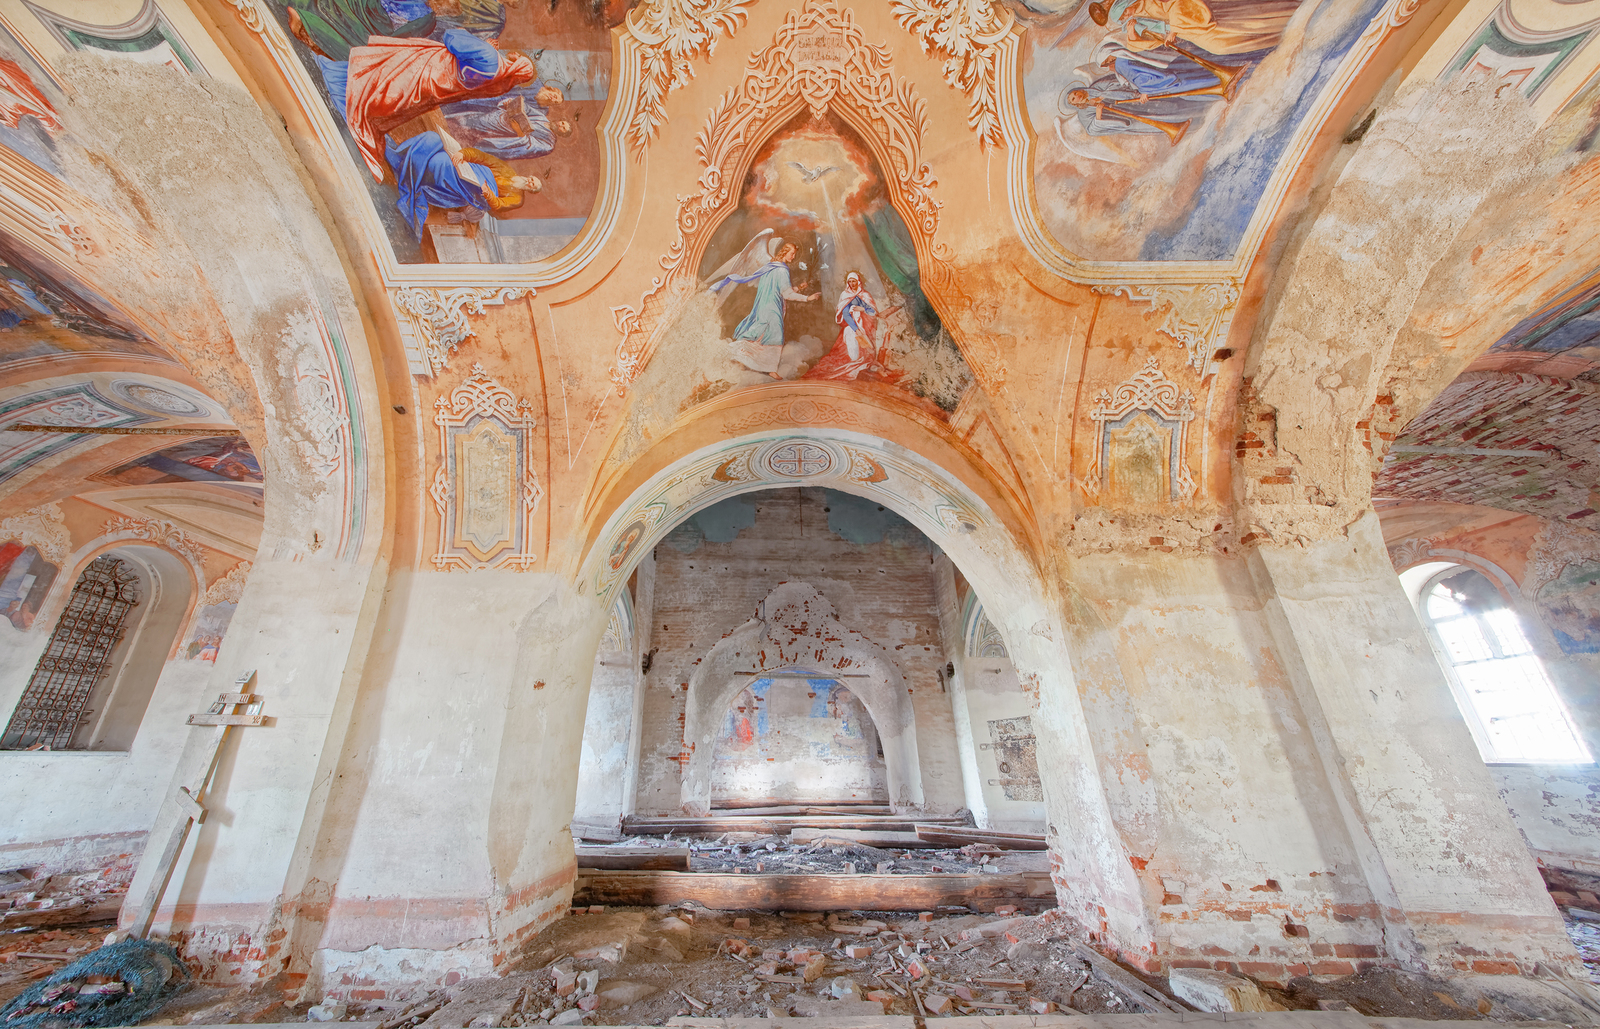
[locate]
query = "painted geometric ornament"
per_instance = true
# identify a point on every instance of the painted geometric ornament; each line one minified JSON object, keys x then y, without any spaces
{"x":485,"y":489}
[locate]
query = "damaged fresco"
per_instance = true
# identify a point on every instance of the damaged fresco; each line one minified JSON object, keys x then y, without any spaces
{"x":788,"y":739}
{"x":474,"y":122}
{"x":815,"y":277}
{"x":1161,"y":123}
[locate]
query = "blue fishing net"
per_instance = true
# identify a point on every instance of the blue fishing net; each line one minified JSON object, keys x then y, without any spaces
{"x":84,"y":993}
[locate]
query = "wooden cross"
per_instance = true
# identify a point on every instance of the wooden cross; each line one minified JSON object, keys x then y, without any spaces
{"x":224,"y":715}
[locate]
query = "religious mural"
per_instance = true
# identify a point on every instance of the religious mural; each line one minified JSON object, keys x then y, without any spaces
{"x":1161,"y":122}
{"x":815,"y":277}
{"x":25,"y":580}
{"x":473,"y":121}
{"x":1571,"y":606}
{"x":797,"y":739}
{"x":30,"y":102}
{"x":210,"y":626}
{"x":220,"y":459}
{"x":1569,"y":325}
{"x":42,"y":316}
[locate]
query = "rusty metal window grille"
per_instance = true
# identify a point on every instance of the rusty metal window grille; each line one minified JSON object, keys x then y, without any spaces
{"x":75,"y":658}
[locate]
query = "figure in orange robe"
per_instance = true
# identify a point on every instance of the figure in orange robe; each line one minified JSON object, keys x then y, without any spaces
{"x":1217,"y":26}
{"x":391,"y":81}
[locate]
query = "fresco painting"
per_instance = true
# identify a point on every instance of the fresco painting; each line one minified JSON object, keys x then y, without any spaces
{"x":1161,"y":122}
{"x":793,"y":738}
{"x":815,"y":276}
{"x":30,"y":104}
{"x":210,"y":626}
{"x":42,"y":316}
{"x":1571,"y":605}
{"x":25,"y":580}
{"x":1569,"y":325}
{"x":473,"y":121}
{"x":219,"y":459}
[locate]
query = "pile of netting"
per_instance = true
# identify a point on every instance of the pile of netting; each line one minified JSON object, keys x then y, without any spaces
{"x":122,"y":984}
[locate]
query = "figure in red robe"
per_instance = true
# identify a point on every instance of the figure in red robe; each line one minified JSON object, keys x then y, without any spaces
{"x":20,"y":98}
{"x":858,"y":347}
{"x":390,"y":81}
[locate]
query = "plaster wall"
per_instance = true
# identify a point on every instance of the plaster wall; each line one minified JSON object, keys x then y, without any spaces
{"x":882,"y":588}
{"x":981,"y":690}
{"x":607,"y":735}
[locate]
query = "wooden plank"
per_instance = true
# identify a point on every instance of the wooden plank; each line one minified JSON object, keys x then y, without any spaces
{"x":960,"y":836}
{"x":595,"y":832}
{"x":1131,"y":985}
{"x":785,"y":892}
{"x":882,"y":838}
{"x":665,"y":859}
{"x":210,"y":719}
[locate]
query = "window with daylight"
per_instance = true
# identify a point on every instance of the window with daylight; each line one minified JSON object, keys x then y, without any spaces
{"x":1508,"y":700}
{"x":77,"y":657}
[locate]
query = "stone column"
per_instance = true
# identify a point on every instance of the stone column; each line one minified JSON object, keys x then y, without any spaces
{"x":1453,"y":881}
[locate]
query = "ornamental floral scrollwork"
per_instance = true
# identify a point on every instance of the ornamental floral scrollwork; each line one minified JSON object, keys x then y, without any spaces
{"x":820,"y":57}
{"x":230,"y":587}
{"x":433,"y":322}
{"x":158,"y":531}
{"x":967,"y":35}
{"x":673,"y":34}
{"x":1196,"y":315}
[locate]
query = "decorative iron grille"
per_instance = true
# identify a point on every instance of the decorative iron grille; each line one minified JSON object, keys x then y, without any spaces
{"x":75,"y":659}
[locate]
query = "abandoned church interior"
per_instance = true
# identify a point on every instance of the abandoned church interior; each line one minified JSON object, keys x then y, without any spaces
{"x":627,"y":512}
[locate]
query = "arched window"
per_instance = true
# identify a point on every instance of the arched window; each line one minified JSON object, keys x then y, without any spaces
{"x":76,"y":658}
{"x":99,"y":669}
{"x":1508,"y":701}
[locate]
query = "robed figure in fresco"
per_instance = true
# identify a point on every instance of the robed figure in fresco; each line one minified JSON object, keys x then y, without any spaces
{"x":428,"y":174}
{"x":390,"y":81}
{"x":758,"y":339}
{"x":862,"y":335}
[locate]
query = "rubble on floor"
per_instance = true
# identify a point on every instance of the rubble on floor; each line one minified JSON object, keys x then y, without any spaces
{"x":39,"y":899}
{"x":643,"y":966}
{"x":1577,"y":894}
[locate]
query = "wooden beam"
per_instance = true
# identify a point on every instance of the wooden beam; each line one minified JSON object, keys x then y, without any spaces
{"x":1136,"y":989}
{"x":115,"y":430}
{"x":663,"y":859}
{"x":784,"y":892}
{"x":781,"y":825}
{"x":882,"y":838}
{"x":961,"y":836}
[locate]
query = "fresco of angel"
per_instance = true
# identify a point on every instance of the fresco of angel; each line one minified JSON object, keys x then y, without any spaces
{"x":758,"y":340}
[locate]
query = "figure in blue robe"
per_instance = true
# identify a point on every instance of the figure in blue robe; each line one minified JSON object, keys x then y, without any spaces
{"x":427,"y":177}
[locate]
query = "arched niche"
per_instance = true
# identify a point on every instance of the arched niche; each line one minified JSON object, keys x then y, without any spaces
{"x":796,"y":629}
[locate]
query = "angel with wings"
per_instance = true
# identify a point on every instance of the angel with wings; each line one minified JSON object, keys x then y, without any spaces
{"x":765,"y":261}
